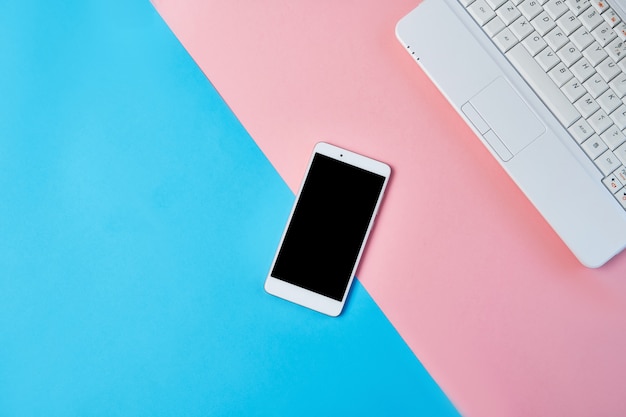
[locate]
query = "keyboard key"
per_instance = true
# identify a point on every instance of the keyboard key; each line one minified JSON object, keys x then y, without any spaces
{"x":582,"y":69}
{"x":617,"y":49}
{"x":569,"y":23}
{"x":569,"y":54}
{"x":495,"y":3}
{"x":620,"y":29}
{"x":573,"y":90}
{"x":547,"y":59}
{"x":494,"y":26}
{"x":481,"y":12}
{"x":555,"y":8}
{"x":621,"y":174}
{"x":581,"y":130}
{"x":530,"y":8}
{"x":577,"y":6}
{"x":613,"y":137}
{"x":594,"y":147}
{"x":612,"y":183}
{"x":622,"y":64}
{"x":596,"y":85}
{"x":505,"y":40}
{"x":508,"y":13}
{"x":590,"y":18}
{"x":595,"y":53}
{"x":611,"y":18}
{"x":560,"y":74}
{"x":609,"y":101}
{"x":534,"y":43}
{"x":604,"y":34}
{"x":600,"y":5}
{"x":619,"y":117}
{"x":587,"y":106}
{"x":582,"y":38}
{"x":600,"y":121}
{"x":608,"y":69}
{"x":522,"y":28}
{"x":556,"y":39}
{"x":621,"y":153}
{"x":607,"y":162}
{"x":543,"y":23}
{"x":554,"y":98}
{"x":618,"y":84}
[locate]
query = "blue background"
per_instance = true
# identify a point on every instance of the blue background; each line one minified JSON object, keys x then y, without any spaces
{"x":138,"y":220}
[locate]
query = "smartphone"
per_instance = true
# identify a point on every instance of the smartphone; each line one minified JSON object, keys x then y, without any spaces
{"x":330,"y":221}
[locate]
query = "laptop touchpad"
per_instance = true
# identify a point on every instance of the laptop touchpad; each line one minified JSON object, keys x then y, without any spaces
{"x":508,"y":115}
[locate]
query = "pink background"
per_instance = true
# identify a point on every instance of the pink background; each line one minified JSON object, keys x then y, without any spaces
{"x":486,"y":295}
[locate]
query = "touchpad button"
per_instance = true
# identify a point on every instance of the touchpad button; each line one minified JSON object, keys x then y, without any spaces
{"x":508,"y":115}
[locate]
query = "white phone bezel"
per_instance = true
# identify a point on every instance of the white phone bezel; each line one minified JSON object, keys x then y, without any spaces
{"x":304,"y":297}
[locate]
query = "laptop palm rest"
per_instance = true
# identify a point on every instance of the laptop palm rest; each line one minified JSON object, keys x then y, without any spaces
{"x":503,"y":119}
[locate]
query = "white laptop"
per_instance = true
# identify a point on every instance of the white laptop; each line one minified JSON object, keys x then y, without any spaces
{"x":542,"y":83}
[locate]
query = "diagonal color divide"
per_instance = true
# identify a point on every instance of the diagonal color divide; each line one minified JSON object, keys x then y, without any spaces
{"x":138,"y":219}
{"x":477,"y":284}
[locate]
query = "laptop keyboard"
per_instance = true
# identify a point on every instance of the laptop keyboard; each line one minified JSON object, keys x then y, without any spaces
{"x":572,"y":53}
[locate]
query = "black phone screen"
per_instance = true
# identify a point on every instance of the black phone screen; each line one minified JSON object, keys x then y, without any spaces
{"x":328,"y":226}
